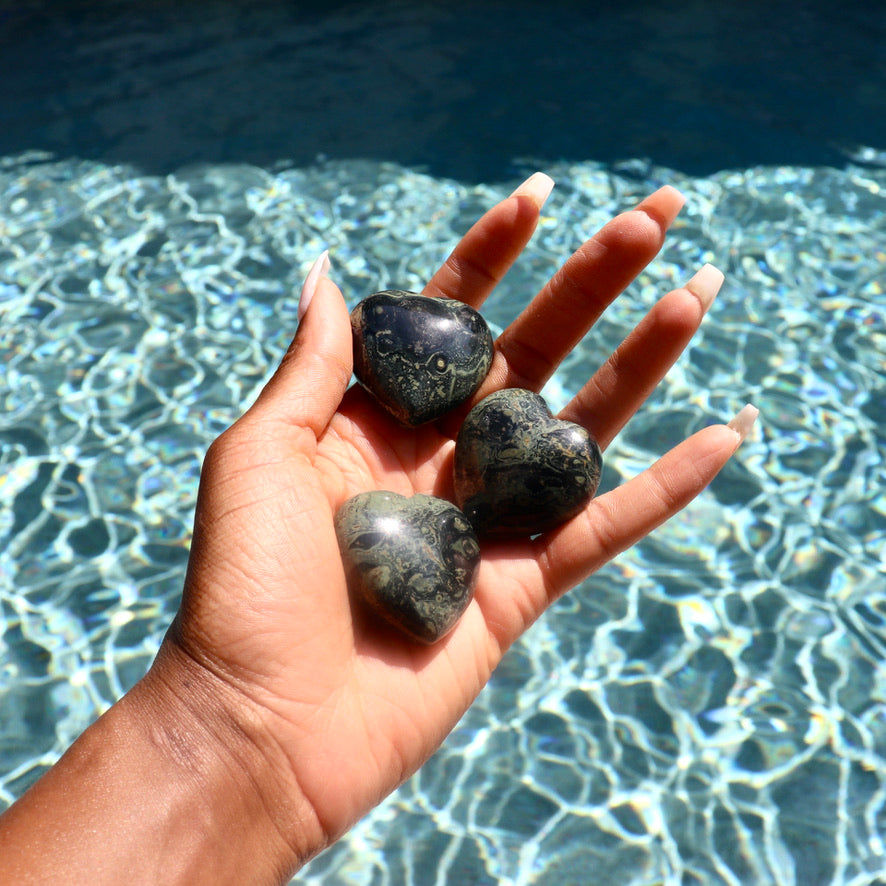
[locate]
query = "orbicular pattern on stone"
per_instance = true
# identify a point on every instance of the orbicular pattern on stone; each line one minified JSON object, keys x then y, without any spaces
{"x":520,"y":471}
{"x":411,"y":560}
{"x":417,"y":356}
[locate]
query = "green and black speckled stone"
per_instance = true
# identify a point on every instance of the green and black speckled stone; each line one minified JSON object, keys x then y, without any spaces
{"x":412,"y":560}
{"x":518,"y":470}
{"x":417,"y":356}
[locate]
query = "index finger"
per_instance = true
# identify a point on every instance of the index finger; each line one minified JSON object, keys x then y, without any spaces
{"x":485,"y":254}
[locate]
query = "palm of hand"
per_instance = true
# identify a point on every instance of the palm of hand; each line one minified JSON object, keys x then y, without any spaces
{"x":359,"y":699}
{"x":354,"y":708}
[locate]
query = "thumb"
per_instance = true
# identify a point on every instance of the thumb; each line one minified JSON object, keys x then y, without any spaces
{"x":313,"y":375}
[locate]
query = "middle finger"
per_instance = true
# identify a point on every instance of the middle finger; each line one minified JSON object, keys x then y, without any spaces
{"x":528,"y":352}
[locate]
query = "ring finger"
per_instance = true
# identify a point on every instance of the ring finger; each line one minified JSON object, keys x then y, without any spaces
{"x":615,"y":392}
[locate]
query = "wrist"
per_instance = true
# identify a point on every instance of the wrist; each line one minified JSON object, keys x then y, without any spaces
{"x":177,"y":783}
{"x":221,"y":749}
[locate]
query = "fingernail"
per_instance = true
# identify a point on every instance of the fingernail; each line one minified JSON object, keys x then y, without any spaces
{"x":537,"y":187}
{"x":665,"y":204}
{"x":744,"y":421}
{"x":319,"y":269}
{"x":705,"y":285}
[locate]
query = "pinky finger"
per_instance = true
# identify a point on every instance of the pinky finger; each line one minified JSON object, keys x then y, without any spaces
{"x":620,"y":518}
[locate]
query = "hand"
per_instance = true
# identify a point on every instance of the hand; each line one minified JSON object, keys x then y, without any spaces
{"x":323,"y":710}
{"x":352,"y":708}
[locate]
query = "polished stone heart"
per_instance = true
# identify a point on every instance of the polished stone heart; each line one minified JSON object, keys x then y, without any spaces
{"x":520,"y":471}
{"x":418,"y":356}
{"x":412,"y":560}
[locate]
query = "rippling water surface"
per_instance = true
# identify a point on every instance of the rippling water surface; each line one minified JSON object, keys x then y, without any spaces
{"x":710,"y":708}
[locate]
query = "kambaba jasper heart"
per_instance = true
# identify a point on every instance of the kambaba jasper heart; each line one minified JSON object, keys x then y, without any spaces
{"x":411,"y":560}
{"x":419,"y":356}
{"x":520,"y":471}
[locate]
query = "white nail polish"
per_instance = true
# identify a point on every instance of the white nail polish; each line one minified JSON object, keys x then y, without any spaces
{"x":537,"y":187}
{"x":705,"y":284}
{"x":744,"y":421}
{"x":319,"y":269}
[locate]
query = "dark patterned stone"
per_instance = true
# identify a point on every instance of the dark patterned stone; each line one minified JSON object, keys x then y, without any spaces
{"x":412,"y":560}
{"x":518,"y":470}
{"x":418,"y":356}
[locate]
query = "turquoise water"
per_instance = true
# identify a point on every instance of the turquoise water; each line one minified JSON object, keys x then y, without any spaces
{"x":708,"y":709}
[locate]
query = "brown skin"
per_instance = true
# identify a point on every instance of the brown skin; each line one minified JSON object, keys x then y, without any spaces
{"x":277,"y":712}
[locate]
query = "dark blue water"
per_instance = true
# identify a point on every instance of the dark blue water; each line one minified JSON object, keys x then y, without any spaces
{"x":708,"y":709}
{"x":459,"y":88}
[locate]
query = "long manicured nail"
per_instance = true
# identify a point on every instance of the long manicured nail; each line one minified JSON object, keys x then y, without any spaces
{"x":319,"y":269}
{"x":665,"y":204}
{"x":537,"y":187}
{"x":744,"y":421}
{"x":705,"y":285}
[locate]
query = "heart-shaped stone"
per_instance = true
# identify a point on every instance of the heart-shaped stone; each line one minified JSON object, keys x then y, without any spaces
{"x":520,"y":471}
{"x":412,"y":560}
{"x":419,"y":356}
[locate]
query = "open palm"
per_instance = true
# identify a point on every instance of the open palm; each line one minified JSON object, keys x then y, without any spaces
{"x":342,"y":707}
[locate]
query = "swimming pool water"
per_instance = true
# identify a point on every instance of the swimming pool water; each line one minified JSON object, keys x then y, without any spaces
{"x":458,"y":89}
{"x":710,"y":708}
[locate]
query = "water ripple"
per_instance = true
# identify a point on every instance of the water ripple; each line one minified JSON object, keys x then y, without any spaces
{"x":670,"y":720}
